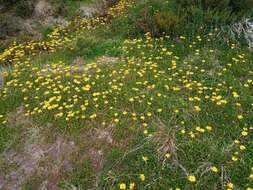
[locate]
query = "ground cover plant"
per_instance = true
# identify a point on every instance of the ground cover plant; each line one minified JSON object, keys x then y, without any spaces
{"x":183,"y":17}
{"x":147,"y":112}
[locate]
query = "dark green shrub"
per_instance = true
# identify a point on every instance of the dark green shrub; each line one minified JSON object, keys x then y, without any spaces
{"x":111,"y":2}
{"x":85,"y":46}
{"x":168,"y":22}
{"x":160,"y":22}
{"x":61,"y":7}
{"x":184,"y":17}
{"x":235,"y":6}
{"x":145,"y":22}
{"x":9,"y":3}
{"x":9,"y":26}
{"x":241,"y":6}
{"x":66,"y":8}
{"x":25,"y":8}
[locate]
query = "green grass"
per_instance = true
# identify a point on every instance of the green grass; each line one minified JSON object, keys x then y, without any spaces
{"x":161,"y":85}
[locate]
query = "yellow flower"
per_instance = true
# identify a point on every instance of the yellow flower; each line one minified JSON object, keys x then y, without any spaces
{"x":209,"y":128}
{"x":251,"y":176}
{"x":159,"y":110}
{"x":230,"y":185}
{"x":192,"y":178}
{"x":244,"y":133}
{"x":142,"y":177}
{"x":122,"y":186}
{"x":124,"y":112}
{"x":167,"y":155}
{"x":86,"y":87}
{"x":145,"y":158}
{"x":240,"y":117}
{"x":214,"y":169}
{"x":234,"y":158}
{"x":93,"y":116}
{"x":132,"y":186}
{"x":197,"y":108}
{"x":242,"y":147}
{"x":235,"y":95}
{"x":149,"y":114}
{"x":199,"y":129}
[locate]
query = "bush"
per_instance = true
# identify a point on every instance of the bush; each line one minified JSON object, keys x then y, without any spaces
{"x":8,"y":26}
{"x":110,"y":3}
{"x":145,"y":22}
{"x":85,"y":46}
{"x":25,"y":8}
{"x":157,"y":17}
{"x":159,"y":23}
{"x":9,"y":3}
{"x":185,"y":17}
{"x":66,"y":8}
{"x":168,"y":22}
{"x":234,"y":6}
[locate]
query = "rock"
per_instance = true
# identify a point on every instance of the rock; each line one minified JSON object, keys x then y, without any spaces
{"x":27,"y":27}
{"x":2,"y":35}
{"x":9,"y":25}
{"x":87,"y":11}
{"x":78,"y":61}
{"x":91,"y":10}
{"x":52,"y":21}
{"x":43,"y":9}
{"x":1,"y":80}
{"x":249,"y":33}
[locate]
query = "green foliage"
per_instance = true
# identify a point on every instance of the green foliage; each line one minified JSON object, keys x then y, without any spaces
{"x":91,"y":47}
{"x":182,"y":17}
{"x":8,"y":26}
{"x":111,"y":2}
{"x":159,"y":23}
{"x":66,"y":8}
{"x":85,"y":46}
{"x":168,"y":22}
{"x":25,"y":8}
{"x":81,"y":177}
{"x":234,"y":6}
{"x":9,"y":3}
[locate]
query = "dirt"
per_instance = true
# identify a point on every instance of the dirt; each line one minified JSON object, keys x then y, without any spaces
{"x":1,"y":80}
{"x":80,"y":66}
{"x":36,"y":157}
{"x":46,"y":163}
{"x":90,"y":10}
{"x":108,"y":60}
{"x":43,"y":9}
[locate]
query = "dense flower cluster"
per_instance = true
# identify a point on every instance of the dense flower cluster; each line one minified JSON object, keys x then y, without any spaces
{"x":61,"y":35}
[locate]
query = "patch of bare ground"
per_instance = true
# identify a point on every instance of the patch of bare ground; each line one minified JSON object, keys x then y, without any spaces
{"x":42,"y":156}
{"x":79,"y":65}
{"x":35,"y":156}
{"x":212,"y":61}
